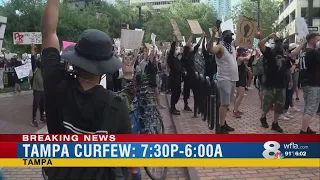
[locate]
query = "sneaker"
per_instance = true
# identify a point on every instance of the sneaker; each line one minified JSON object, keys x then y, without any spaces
{"x":174,"y":111}
{"x":297,"y":99}
{"x":34,"y":123}
{"x":310,"y":131}
{"x":187,"y":108}
{"x":283,"y":117}
{"x":276,"y":127}
{"x":227,"y":127}
{"x":288,"y":115}
{"x":294,"y":109}
{"x":43,"y":119}
{"x":223,"y":130}
{"x":236,"y":114}
{"x":264,"y":122}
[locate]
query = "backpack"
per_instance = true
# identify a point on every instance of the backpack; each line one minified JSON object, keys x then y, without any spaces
{"x":31,"y":79}
{"x":258,"y":66}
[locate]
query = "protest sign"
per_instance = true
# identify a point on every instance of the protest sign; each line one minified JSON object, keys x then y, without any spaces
{"x":27,"y":38}
{"x":3,"y":22}
{"x":153,"y":38}
{"x":246,"y":29}
{"x":1,"y":78}
{"x":176,"y":30}
{"x":23,"y":70}
{"x":131,"y":39}
{"x":301,"y":27}
{"x":195,"y":26}
{"x":148,"y":46}
{"x":227,"y":25}
{"x":255,"y":43}
{"x":65,"y":44}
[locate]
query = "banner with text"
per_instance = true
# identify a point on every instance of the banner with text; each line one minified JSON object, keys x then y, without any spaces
{"x":131,"y":39}
{"x":23,"y":71}
{"x":27,"y":38}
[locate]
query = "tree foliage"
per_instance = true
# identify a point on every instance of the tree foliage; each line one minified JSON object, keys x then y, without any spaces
{"x":268,"y":13}
{"x":25,"y":16}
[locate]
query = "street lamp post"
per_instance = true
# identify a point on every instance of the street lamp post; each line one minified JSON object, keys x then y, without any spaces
{"x":140,"y":17}
{"x":258,"y":13}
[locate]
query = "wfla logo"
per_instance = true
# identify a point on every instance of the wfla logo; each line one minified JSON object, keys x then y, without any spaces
{"x":272,"y":150}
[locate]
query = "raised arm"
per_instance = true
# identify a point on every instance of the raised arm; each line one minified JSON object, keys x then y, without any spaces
{"x":297,"y":50}
{"x":33,"y":58}
{"x":49,"y":24}
{"x":217,"y":49}
{"x":262,"y":43}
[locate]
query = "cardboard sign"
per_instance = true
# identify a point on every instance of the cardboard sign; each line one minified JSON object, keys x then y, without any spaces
{"x":131,"y":39}
{"x":301,"y":27}
{"x":65,"y":44}
{"x":23,"y":70}
{"x":176,"y":30}
{"x":246,"y":30}
{"x":153,"y":38}
{"x":27,"y":38}
{"x":195,"y":26}
{"x":3,"y":22}
{"x":148,"y":46}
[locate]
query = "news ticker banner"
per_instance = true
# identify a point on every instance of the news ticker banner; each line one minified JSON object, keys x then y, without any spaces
{"x":159,"y":150}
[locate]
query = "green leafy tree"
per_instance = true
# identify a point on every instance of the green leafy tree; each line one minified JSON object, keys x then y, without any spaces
{"x":249,"y":8}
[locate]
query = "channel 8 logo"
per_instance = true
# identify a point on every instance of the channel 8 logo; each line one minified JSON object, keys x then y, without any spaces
{"x":272,"y":147}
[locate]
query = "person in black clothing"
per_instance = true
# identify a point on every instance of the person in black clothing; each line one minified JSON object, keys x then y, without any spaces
{"x":174,"y":64}
{"x":310,"y":80}
{"x":242,"y":57}
{"x":277,"y":74}
{"x":151,"y":71}
{"x":210,"y":65}
{"x":77,"y":104}
{"x":188,"y":58}
{"x":17,"y":81}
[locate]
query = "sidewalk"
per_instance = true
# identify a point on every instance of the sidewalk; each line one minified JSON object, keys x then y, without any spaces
{"x":248,"y":124}
{"x":20,"y":173}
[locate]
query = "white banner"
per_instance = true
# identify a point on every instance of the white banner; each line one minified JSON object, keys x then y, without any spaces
{"x":23,"y":71}
{"x":27,"y":38}
{"x":3,"y":22}
{"x":301,"y":27}
{"x":131,"y":39}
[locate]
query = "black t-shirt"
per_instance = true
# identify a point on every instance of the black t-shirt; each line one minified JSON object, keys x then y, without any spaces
{"x":310,"y":67}
{"x":276,"y":69}
{"x":72,"y":110}
{"x":242,"y":72}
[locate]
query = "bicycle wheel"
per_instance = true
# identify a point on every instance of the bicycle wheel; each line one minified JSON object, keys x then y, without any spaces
{"x":156,"y":176}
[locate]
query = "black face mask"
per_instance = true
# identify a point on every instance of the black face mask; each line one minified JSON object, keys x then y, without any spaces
{"x":278,"y":48}
{"x":227,"y":39}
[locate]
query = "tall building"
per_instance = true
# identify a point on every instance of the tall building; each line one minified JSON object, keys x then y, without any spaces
{"x":222,"y":7}
{"x":289,"y":10}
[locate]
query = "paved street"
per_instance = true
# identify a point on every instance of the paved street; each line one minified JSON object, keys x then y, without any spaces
{"x":248,"y":124}
{"x":21,"y":125}
{"x":16,"y":113}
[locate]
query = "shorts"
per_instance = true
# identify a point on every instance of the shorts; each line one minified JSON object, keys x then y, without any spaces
{"x":226,"y":90}
{"x":274,"y":96}
{"x":241,"y":83}
{"x":311,"y":97}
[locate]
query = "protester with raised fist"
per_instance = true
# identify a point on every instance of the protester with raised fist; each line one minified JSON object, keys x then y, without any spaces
{"x":227,"y":74}
{"x":75,"y":102}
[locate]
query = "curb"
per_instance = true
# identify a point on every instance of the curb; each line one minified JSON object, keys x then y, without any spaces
{"x":191,"y":171}
{"x":11,"y":94}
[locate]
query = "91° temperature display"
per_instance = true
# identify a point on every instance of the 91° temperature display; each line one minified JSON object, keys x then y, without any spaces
{"x":119,"y":150}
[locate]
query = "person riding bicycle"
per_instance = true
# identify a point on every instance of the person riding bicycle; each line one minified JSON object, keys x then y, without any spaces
{"x":77,"y":104}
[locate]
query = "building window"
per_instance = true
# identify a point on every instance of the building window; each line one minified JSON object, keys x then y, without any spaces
{"x":316,"y":12}
{"x":304,"y":12}
{"x":292,"y":15}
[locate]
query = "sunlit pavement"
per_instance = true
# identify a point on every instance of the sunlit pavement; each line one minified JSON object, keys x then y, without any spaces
{"x":248,"y":124}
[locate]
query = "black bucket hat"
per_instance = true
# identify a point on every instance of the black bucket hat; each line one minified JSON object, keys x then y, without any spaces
{"x":93,"y":53}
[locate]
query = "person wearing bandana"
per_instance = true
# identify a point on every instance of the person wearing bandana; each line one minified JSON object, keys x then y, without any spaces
{"x":277,"y":78}
{"x":176,"y":70}
{"x":227,"y":74}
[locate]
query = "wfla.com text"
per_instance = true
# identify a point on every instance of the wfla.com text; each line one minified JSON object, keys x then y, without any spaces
{"x":295,"y":146}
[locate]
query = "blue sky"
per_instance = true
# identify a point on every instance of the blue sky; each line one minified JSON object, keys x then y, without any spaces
{"x":234,"y":2}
